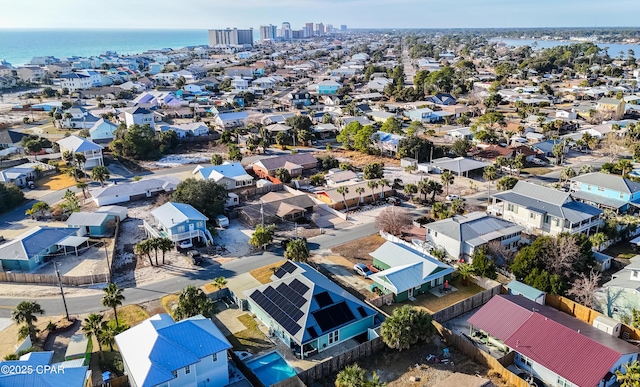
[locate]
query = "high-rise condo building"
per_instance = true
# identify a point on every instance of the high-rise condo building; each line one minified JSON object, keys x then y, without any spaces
{"x":268,"y":32}
{"x":232,"y":37}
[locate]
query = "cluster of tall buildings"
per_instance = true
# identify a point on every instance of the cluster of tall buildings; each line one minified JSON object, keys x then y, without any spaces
{"x":271,"y":32}
{"x":238,"y":37}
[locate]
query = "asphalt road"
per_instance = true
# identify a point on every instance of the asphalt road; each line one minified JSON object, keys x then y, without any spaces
{"x":87,"y":304}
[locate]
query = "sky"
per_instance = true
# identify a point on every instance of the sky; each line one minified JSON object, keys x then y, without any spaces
{"x":209,"y":14}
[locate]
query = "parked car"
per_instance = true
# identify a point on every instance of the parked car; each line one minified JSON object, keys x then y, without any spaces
{"x":195,"y":257}
{"x":537,"y":161}
{"x":452,"y":197}
{"x":394,"y":201}
{"x":286,"y":241}
{"x":362,"y":269}
{"x":31,"y":184}
{"x":186,"y":244}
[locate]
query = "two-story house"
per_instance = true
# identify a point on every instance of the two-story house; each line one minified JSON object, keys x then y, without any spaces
{"x":298,"y":99}
{"x":618,"y":297}
{"x":613,"y":108}
{"x":229,"y":175}
{"x":542,"y":210}
{"x":239,"y":84}
{"x":91,"y":151}
{"x":138,"y":115}
{"x":421,"y":115}
{"x":552,"y":345}
{"x":296,"y":164}
{"x":308,"y":312}
{"x":75,"y":81}
{"x":178,"y":222}
{"x":230,"y":120}
{"x":605,"y":190}
{"x":462,"y":235}
{"x":328,"y":87}
{"x":102,"y":131}
{"x":30,"y":73}
{"x":161,"y":352}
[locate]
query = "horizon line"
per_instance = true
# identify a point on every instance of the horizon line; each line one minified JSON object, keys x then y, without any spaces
{"x":353,"y":28}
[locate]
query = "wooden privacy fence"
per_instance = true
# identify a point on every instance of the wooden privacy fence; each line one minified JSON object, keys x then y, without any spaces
{"x":465,"y":346}
{"x":333,"y":364}
{"x":466,"y":305}
{"x":52,"y":279}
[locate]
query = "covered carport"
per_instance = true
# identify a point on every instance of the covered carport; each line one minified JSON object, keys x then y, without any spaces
{"x":461,"y":166}
{"x":72,"y":241}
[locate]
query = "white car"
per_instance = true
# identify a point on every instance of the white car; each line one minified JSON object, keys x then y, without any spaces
{"x":186,"y":244}
{"x":452,"y":197}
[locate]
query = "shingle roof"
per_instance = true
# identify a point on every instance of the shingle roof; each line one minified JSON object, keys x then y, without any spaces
{"x":78,"y":144}
{"x":605,"y":180}
{"x":561,"y":343}
{"x":229,"y":170}
{"x":172,"y":214}
{"x":458,"y":164}
{"x":135,"y":188}
{"x":473,"y":225}
{"x":158,"y":346}
{"x":321,"y":298}
{"x":271,"y":163}
{"x":11,"y":137}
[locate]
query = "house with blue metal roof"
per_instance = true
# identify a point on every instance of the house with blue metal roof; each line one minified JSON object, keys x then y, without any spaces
{"x":68,"y":374}
{"x":102,"y":131}
{"x":28,"y":250}
{"x":230,"y":120}
{"x":387,"y":142}
{"x":422,"y":115}
{"x":308,"y":312}
{"x":229,"y":175}
{"x":405,"y":272}
{"x":91,"y":151}
{"x":544,"y":210}
{"x":161,"y":352}
{"x":178,"y":222}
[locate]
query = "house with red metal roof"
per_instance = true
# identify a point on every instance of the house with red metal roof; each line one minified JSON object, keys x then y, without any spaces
{"x":553,"y":346}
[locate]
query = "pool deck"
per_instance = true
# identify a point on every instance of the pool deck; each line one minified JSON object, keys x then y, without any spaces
{"x":312,"y":361}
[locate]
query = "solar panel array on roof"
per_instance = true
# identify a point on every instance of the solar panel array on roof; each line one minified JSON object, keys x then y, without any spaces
{"x":279,"y":307}
{"x":287,"y":268}
{"x":299,"y":287}
{"x":295,"y":298}
{"x":334,"y":316}
{"x":323,"y":299}
{"x":312,"y":332}
{"x":362,"y":312}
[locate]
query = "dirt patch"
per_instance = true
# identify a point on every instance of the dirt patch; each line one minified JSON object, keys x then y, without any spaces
{"x":55,"y":183}
{"x":358,"y":159}
{"x":251,"y":339}
{"x":359,"y":249}
{"x":9,"y":335}
{"x":131,"y":315}
{"x":396,"y":368}
{"x":263,"y":274}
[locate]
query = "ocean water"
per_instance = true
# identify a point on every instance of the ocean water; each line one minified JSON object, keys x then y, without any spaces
{"x":18,"y":46}
{"x":612,"y":48}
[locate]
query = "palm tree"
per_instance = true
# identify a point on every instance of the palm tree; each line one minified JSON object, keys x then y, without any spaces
{"x":447,"y":178}
{"x":25,"y":312}
{"x":93,"y":326}
{"x":490,"y":173}
{"x":113,"y":298}
{"x":423,"y":188}
{"x":567,"y":173}
{"x":193,"y":301}
{"x":457,"y":206}
{"x":144,"y":248}
{"x":109,"y":333}
{"x":100,"y":174}
{"x":372,"y":184}
{"x":153,"y":245}
{"x":343,"y":190}
{"x":434,"y":189}
{"x":80,"y":160}
{"x":297,"y":250}
{"x":220,"y":282}
{"x":164,"y":245}
{"x":383,"y":183}
{"x":587,"y":168}
{"x":359,"y":191}
{"x":465,"y":270}
{"x":351,"y":376}
{"x":83,"y":186}
{"x":410,"y":189}
{"x":597,"y":240}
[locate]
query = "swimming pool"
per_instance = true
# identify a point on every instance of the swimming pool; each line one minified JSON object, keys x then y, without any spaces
{"x":270,"y":368}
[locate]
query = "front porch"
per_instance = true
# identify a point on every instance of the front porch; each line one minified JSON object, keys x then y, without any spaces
{"x":154,"y":231}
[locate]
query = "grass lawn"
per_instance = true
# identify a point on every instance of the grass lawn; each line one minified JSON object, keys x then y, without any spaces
{"x":251,"y":339}
{"x":131,"y":315}
{"x":9,"y":335}
{"x":433,"y":304}
{"x":537,"y":171}
{"x":264,"y":273}
{"x":210,"y":287}
{"x":50,"y":128}
{"x":56,"y":182}
{"x":620,"y":250}
{"x":169,"y":302}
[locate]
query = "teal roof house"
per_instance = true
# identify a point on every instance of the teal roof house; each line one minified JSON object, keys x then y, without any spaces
{"x":178,"y":222}
{"x":27,"y":251}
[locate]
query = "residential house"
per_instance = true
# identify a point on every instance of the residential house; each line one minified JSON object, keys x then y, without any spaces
{"x":91,"y":151}
{"x":618,"y":297}
{"x":492,"y":152}
{"x":239,"y":71}
{"x":22,"y":174}
{"x":296,"y":164}
{"x":461,"y":166}
{"x":139,"y":116}
{"x":461,"y":235}
{"x":335,"y":200}
{"x":102,"y":131}
{"x":337,"y":176}
{"x":95,"y":78}
{"x":276,"y":207}
{"x":28,"y":250}
{"x":378,"y":84}
{"x":126,"y":192}
{"x":325,"y":131}
{"x":387,"y":142}
{"x":79,"y":118}
{"x":442,"y":99}
{"x":545,"y":148}
{"x":7,"y":82}
{"x":30,"y":73}
{"x":239,"y":84}
{"x":308,"y":312}
{"x":162,"y":352}
{"x":405,"y":272}
{"x":189,"y":129}
{"x":553,"y":346}
{"x":230,"y":120}
{"x":423,"y":115}
{"x":459,"y":134}
{"x":605,"y":190}
{"x":545,"y":210}
{"x":44,"y":373}
{"x":6,"y":71}
{"x":328,"y":87}
{"x":380,"y":116}
{"x":230,"y":175}
{"x":95,"y":224}
{"x":75,"y":81}
{"x":362,"y":120}
{"x":178,"y":221}
{"x":298,"y":99}
{"x":611,"y":107}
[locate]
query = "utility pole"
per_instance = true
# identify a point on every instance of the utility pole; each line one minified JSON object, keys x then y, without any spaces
{"x":106,"y":252}
{"x":64,"y":301}
{"x":262,"y":212}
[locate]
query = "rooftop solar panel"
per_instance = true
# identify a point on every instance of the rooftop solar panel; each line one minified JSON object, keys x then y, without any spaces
{"x":333,"y":317}
{"x":323,"y":299}
{"x":298,"y":287}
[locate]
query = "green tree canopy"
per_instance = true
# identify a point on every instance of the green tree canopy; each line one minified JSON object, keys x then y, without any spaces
{"x":406,"y":327}
{"x":193,"y":301}
{"x":204,"y":195}
{"x":263,"y":235}
{"x":297,"y":250}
